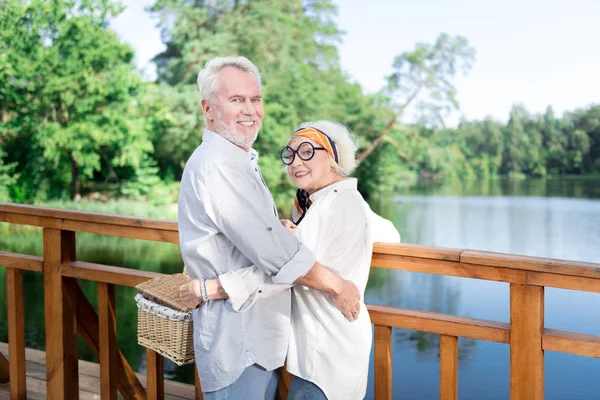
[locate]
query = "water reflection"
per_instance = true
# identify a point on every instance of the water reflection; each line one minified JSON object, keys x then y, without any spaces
{"x":555,"y":227}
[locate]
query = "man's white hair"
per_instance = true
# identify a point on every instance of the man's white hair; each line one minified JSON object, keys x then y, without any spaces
{"x":207,"y":77}
{"x":345,"y":144}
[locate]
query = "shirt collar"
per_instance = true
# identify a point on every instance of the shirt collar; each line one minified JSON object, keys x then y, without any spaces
{"x":344,"y":184}
{"x":225,"y":146}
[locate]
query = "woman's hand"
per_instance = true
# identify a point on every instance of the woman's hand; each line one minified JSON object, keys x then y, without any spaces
{"x":288,"y":224}
{"x":191,"y":293}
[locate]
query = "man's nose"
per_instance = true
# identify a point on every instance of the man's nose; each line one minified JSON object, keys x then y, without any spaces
{"x":248,"y":108}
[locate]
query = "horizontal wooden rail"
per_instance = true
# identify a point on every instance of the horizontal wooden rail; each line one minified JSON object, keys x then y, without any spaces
{"x":472,"y":259}
{"x":583,"y":284}
{"x":413,"y":250}
{"x":21,"y":261}
{"x":442,"y":267}
{"x":85,"y":216}
{"x":106,"y":273}
{"x":441,"y":324}
{"x":110,"y":229}
{"x":583,"y":277}
{"x":529,"y":263}
{"x":570,"y":342}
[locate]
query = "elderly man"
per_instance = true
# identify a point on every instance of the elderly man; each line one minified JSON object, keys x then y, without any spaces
{"x":227,"y":221}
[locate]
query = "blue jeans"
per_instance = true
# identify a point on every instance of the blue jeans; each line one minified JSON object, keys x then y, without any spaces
{"x":301,"y":389}
{"x":255,"y":383}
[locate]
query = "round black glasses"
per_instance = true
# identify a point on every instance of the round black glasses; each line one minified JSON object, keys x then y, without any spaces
{"x":305,"y":151}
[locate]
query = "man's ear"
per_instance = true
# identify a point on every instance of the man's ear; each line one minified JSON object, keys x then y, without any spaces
{"x":207,"y":109}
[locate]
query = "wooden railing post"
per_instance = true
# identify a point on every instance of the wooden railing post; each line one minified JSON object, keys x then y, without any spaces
{"x":62,"y":373}
{"x":89,"y":327}
{"x":198,"y":387}
{"x":383,"y":362}
{"x":155,"y":381}
{"x":16,"y":332}
{"x":526,"y":353}
{"x":285,"y":378}
{"x":108,"y":341}
{"x":448,"y":367}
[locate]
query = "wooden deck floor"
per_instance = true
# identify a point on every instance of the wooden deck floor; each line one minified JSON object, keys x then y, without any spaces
{"x":89,"y":379}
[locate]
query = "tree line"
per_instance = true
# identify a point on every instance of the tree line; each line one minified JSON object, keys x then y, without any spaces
{"x":76,"y":119}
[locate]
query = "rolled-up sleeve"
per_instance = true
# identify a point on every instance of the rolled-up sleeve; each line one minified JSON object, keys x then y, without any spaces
{"x":241,"y":208}
{"x":245,"y":286}
{"x":235,"y":287}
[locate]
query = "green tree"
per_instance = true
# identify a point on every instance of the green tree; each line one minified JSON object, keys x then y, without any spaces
{"x":554,"y":143}
{"x":579,"y":148}
{"x":514,"y":133}
{"x":8,"y":177}
{"x":174,"y":121}
{"x":67,"y":89}
{"x":425,"y":75}
{"x":588,"y":121}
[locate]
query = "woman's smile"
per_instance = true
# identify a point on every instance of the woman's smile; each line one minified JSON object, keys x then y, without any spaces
{"x":301,"y":174}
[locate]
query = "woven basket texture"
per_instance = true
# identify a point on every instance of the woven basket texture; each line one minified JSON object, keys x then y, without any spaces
{"x":166,"y":289}
{"x":170,"y":339}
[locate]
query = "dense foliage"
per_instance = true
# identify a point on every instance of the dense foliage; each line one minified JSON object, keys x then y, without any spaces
{"x":76,"y":120}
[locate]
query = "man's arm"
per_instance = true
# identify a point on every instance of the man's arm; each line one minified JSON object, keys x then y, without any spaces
{"x":191,"y":293}
{"x":251,"y":284}
{"x":343,"y":293}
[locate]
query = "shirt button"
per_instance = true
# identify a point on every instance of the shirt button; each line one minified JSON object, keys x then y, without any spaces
{"x":259,"y":291}
{"x":335,"y":190}
{"x":269,"y":229}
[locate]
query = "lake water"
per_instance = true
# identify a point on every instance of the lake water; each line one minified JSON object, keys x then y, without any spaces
{"x":551,"y":218}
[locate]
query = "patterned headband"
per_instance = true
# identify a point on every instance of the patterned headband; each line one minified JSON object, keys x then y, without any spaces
{"x":321,"y":138}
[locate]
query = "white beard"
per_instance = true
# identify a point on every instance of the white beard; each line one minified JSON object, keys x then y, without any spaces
{"x":228,"y":132}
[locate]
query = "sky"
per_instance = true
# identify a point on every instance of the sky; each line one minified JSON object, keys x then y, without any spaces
{"x":533,"y":52}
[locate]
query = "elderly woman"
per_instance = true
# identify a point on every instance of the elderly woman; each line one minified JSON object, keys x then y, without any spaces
{"x":328,"y":356}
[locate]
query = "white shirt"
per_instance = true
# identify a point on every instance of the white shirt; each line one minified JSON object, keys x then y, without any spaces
{"x":324,"y":347}
{"x":227,"y":221}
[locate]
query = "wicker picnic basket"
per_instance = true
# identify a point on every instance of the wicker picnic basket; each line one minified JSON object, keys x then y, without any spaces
{"x":164,"y":324}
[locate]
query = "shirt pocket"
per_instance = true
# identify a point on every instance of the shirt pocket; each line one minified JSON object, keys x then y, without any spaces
{"x":205,"y":326}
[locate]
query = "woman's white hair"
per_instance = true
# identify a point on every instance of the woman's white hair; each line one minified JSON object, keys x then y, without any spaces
{"x":207,"y":77}
{"x":345,"y":144}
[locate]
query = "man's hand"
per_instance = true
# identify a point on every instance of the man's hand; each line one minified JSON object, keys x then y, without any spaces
{"x":288,"y":224}
{"x":347,"y":300}
{"x":343,"y":293}
{"x":191,"y":293}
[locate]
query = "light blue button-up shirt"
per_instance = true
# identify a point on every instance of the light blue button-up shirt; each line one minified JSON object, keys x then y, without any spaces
{"x":227,"y":221}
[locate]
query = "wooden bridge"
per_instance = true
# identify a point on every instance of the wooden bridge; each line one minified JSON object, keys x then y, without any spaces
{"x":68,"y":311}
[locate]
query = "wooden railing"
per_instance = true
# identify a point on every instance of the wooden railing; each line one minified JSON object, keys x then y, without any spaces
{"x":67,"y":310}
